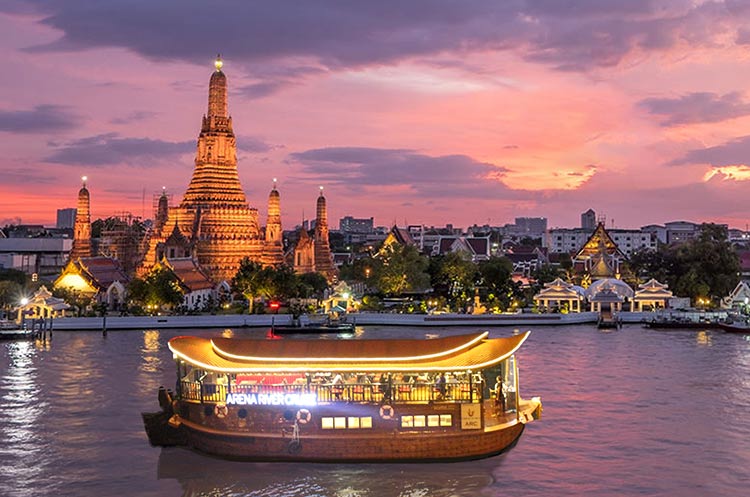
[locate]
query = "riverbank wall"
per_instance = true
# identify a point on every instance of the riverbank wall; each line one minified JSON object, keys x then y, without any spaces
{"x":360,"y":319}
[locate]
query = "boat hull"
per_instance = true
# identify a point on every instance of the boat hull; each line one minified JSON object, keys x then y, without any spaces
{"x":403,"y":447}
{"x":266,"y":435}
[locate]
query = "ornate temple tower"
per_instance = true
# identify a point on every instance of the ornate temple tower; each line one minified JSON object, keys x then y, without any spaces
{"x":162,"y":211}
{"x":273,"y":247}
{"x":214,"y":214}
{"x":304,"y":253}
{"x":82,"y":228}
{"x":323,"y":258}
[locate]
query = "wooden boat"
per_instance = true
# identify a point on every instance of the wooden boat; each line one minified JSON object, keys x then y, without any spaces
{"x":445,"y":399}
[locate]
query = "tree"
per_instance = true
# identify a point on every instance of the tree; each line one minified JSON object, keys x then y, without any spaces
{"x":250,"y":281}
{"x":311,"y":284}
{"x":499,"y":289}
{"x":707,"y":266}
{"x":401,"y":268}
{"x":10,"y":296}
{"x":454,"y":276}
{"x":159,"y":288}
{"x":75,"y":298}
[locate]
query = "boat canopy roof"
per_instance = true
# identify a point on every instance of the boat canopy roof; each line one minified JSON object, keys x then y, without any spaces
{"x":452,"y":353}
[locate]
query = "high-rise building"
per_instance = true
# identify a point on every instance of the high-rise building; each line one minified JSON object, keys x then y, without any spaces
{"x":349,"y":224}
{"x":66,"y":218}
{"x":588,"y":220}
{"x":533,"y":227}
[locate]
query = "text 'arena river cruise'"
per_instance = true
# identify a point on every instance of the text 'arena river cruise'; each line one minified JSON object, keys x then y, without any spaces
{"x":443,"y":399}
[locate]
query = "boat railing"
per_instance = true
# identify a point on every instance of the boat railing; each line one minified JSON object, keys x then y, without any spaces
{"x":459,"y":392}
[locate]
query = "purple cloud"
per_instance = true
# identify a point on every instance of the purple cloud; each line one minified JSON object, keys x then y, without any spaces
{"x":42,"y":119}
{"x":108,"y":149}
{"x":577,"y":35}
{"x":702,"y":107}
{"x":733,"y":152}
{"x":426,"y":176}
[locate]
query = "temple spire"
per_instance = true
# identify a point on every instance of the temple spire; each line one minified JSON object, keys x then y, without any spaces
{"x":217,"y":92}
{"x":82,"y":228}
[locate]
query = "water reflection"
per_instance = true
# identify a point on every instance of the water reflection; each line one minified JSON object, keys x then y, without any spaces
{"x":200,"y":475}
{"x":151,"y":352}
{"x":703,"y":338}
{"x":20,"y":410}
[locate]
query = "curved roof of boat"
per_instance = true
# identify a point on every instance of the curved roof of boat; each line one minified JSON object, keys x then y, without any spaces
{"x":452,"y":353}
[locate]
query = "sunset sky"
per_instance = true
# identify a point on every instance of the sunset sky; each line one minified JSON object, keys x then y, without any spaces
{"x":412,"y":111}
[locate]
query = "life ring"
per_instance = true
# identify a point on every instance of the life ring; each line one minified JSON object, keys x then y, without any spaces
{"x":303,"y":416}
{"x":386,"y":412}
{"x":221,"y":410}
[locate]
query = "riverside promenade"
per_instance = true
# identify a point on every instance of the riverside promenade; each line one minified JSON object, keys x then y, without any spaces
{"x":360,"y":319}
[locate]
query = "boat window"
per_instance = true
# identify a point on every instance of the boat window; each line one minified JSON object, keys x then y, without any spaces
{"x":421,"y":421}
{"x":352,"y":422}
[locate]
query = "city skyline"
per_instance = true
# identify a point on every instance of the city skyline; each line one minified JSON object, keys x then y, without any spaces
{"x":420,"y":113}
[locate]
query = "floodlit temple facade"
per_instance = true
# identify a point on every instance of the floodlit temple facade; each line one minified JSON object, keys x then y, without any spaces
{"x":214,"y":221}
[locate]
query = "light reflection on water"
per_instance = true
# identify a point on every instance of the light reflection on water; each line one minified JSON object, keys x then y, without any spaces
{"x":631,"y":412}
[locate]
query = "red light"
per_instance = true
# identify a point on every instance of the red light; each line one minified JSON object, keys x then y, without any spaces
{"x":274,"y":305}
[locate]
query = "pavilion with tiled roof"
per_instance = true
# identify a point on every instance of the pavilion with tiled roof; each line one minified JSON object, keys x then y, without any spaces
{"x":100,"y":277}
{"x":652,"y":294}
{"x":559,"y":293}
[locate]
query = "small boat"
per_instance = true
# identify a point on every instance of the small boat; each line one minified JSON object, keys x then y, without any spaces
{"x":735,"y":327}
{"x":444,"y":399}
{"x":315,"y":328}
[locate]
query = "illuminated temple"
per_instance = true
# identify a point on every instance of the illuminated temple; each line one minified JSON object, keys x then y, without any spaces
{"x":214,"y":223}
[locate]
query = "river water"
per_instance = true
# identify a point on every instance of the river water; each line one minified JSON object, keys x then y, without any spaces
{"x":628,"y":412}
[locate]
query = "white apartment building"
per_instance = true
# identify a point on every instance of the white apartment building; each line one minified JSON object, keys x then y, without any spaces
{"x":571,"y":240}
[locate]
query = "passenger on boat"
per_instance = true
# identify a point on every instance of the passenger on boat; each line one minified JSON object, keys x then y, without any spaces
{"x":440,"y":384}
{"x":499,"y":392}
{"x":338,"y":387}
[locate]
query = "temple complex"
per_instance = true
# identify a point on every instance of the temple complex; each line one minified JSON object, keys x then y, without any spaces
{"x":82,"y":228}
{"x":214,"y":223}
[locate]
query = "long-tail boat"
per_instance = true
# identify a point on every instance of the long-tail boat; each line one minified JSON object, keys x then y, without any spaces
{"x":444,"y":399}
